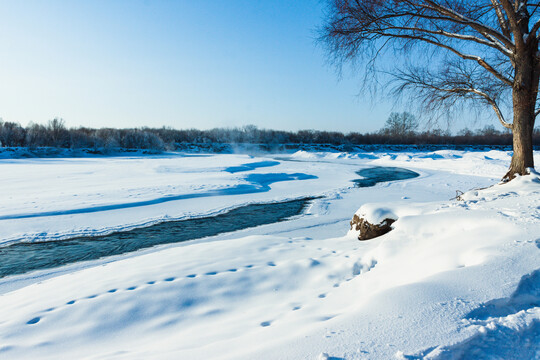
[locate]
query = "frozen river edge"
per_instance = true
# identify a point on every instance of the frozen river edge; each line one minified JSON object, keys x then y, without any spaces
{"x":23,"y":257}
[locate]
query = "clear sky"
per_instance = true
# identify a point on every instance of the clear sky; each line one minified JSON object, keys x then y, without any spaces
{"x":184,"y":64}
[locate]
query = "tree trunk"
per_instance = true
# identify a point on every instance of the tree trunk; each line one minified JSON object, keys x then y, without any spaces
{"x":522,"y":146}
{"x":524,"y":94}
{"x":522,"y":131}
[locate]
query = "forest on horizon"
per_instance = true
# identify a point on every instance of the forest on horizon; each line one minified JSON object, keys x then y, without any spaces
{"x":400,"y":129}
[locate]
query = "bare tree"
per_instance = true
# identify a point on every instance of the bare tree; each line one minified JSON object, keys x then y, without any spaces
{"x":400,"y":124}
{"x":480,"y":50}
{"x":58,"y":132}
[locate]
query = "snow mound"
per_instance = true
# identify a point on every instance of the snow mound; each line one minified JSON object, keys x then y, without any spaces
{"x":519,"y":186}
{"x":376,"y":214}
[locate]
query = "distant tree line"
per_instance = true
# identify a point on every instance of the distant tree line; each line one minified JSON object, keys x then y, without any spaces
{"x":400,"y":128}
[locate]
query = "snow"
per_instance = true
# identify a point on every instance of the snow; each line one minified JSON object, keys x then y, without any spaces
{"x":375,"y":214}
{"x":453,"y":279}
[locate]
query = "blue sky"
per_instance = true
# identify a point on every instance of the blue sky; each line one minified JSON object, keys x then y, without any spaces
{"x":184,"y":64}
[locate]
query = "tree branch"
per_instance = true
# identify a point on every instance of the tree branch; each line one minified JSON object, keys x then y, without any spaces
{"x":534,"y":29}
{"x":495,"y":108}
{"x":503,"y":22}
{"x":495,"y":45}
{"x":489,"y":33}
{"x":478,"y":59}
{"x":485,"y":30}
{"x":514,"y":23}
{"x":482,"y":94}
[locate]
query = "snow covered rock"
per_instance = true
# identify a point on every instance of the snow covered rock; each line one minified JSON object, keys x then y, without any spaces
{"x":369,"y":231}
{"x":371,"y":221}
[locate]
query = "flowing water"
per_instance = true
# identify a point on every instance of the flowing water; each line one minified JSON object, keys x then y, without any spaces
{"x":374,"y":175}
{"x":23,"y":257}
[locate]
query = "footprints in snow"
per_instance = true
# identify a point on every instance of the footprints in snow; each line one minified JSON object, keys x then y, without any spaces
{"x":312,"y":263}
{"x":358,"y":268}
{"x":37,"y":319}
{"x":298,"y":307}
{"x":33,"y":321}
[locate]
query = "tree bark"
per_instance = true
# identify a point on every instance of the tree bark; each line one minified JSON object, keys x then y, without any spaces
{"x":524,"y":100}
{"x":522,"y":144}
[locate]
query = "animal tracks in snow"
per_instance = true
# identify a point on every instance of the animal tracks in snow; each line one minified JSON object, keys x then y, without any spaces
{"x":356,"y":268}
{"x":33,"y":321}
{"x":132,"y":288}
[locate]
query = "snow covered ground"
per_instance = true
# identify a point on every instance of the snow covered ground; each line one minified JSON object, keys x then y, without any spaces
{"x":454,"y":279}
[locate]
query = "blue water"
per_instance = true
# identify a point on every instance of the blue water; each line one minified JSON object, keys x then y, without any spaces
{"x":23,"y":257}
{"x":374,"y":175}
{"x":251,"y":166}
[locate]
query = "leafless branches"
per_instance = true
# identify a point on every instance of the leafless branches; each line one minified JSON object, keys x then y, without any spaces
{"x":476,"y":44}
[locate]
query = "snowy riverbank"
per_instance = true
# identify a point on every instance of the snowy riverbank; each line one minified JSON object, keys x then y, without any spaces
{"x":452,"y":278}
